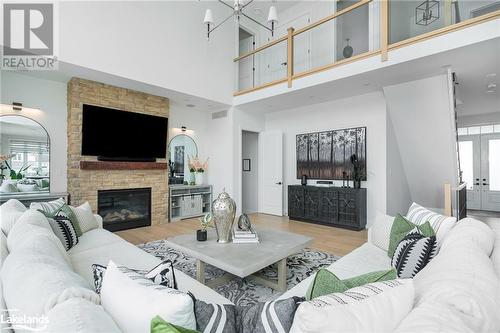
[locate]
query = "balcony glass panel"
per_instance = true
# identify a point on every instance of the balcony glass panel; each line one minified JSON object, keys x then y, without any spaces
{"x":408,"y":19}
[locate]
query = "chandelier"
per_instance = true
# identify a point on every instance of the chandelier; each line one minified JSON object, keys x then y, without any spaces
{"x":237,"y":11}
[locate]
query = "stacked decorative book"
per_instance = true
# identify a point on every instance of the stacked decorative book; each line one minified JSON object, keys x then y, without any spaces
{"x":240,"y":236}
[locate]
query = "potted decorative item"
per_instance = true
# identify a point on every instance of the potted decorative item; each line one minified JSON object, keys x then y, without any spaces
{"x":192,"y":180}
{"x":201,"y":234}
{"x":356,"y":172}
{"x":198,"y":167}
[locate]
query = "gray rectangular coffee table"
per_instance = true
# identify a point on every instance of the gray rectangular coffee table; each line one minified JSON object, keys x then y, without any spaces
{"x":242,"y":260}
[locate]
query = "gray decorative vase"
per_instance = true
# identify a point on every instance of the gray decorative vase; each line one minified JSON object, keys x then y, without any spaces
{"x":224,"y":211}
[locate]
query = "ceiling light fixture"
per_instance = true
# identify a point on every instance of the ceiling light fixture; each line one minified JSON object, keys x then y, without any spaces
{"x":190,"y":105}
{"x":183,"y":128}
{"x":237,"y":8}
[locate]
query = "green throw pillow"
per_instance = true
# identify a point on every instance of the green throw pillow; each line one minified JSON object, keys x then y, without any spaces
{"x":65,"y":211}
{"x":325,"y":282}
{"x":158,"y":325}
{"x":401,"y":227}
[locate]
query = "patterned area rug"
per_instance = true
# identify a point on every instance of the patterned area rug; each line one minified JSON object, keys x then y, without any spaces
{"x":242,"y":291}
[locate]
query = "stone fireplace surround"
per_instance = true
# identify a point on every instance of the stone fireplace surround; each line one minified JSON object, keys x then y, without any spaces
{"x":83,"y":184}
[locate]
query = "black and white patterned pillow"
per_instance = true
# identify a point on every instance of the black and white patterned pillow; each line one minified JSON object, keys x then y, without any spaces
{"x":413,"y":253}
{"x":162,"y":274}
{"x":263,"y":317}
{"x":65,"y":231}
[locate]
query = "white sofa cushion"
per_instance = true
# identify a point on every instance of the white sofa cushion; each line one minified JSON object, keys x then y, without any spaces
{"x":30,"y":226}
{"x":471,"y":230}
{"x":33,"y":283}
{"x":3,"y":248}
{"x":99,"y":246}
{"x":133,"y":300}
{"x":440,"y":223}
{"x":365,"y":259}
{"x":375,"y":307}
{"x":78,"y":315}
{"x":463,"y":277}
{"x":10,"y":212}
{"x":379,"y":233}
{"x":434,"y":317}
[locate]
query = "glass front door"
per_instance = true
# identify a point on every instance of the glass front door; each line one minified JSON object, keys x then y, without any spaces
{"x":480,"y":167}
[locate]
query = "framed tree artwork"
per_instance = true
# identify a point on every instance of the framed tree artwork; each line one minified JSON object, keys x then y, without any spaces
{"x":326,"y":155}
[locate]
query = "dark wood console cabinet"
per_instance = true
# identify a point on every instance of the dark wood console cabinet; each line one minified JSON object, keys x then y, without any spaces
{"x":335,"y":206}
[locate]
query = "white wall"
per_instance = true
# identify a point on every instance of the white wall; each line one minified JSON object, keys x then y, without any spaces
{"x":398,"y":191}
{"x":423,"y":120}
{"x":366,"y":110}
{"x":50,"y":98}
{"x":162,"y":43}
{"x":250,"y":179}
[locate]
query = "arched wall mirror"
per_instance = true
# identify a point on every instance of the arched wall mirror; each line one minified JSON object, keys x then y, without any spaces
{"x":24,"y":156}
{"x":180,"y":148}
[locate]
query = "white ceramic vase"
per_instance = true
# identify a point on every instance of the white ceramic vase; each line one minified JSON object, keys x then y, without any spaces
{"x":200,"y":178}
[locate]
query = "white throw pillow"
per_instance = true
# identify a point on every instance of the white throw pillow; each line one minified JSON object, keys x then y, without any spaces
{"x":8,"y":188}
{"x":375,"y":307}
{"x":49,"y":206}
{"x":85,"y":217}
{"x":10,"y":213}
{"x":133,"y":300}
{"x":27,"y":187}
{"x":440,"y":223}
{"x":80,"y":315}
{"x":380,"y":232}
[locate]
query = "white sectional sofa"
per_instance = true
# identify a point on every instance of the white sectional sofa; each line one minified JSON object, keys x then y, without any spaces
{"x":28,"y":252}
{"x":458,"y":290}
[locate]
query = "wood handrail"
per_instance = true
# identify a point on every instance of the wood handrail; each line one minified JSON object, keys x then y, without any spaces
{"x":331,"y":17}
{"x":304,"y":29}
{"x":260,"y":48}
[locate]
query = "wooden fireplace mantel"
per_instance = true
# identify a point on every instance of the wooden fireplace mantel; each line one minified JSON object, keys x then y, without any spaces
{"x":112,"y":165}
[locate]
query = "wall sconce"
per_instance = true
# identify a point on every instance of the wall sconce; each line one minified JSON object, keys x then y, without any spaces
{"x":183,"y":128}
{"x":16,"y":106}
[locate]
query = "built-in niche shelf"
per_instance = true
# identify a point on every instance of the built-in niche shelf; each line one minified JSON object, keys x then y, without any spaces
{"x":113,"y":165}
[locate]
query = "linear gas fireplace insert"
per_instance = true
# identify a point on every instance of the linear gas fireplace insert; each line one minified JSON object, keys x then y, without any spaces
{"x":125,"y":208}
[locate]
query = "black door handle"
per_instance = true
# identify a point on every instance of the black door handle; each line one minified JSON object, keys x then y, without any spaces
{"x":485,"y":184}
{"x":278,"y":183}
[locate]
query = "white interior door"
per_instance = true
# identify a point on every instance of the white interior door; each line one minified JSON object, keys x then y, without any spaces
{"x":271,"y":175}
{"x":490,"y":172}
{"x":470,"y":164}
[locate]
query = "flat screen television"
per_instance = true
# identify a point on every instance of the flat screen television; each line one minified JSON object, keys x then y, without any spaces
{"x":120,"y":135}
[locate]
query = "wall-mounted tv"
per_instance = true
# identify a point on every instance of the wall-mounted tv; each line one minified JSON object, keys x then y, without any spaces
{"x":120,"y":135}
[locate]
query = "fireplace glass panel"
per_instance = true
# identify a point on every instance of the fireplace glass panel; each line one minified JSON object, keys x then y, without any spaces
{"x":125,"y":209}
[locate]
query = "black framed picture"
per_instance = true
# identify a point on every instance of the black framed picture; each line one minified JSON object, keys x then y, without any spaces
{"x":326,"y":155}
{"x":246,"y":164}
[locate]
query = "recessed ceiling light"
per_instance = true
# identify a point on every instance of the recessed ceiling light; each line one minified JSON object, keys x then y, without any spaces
{"x":491,"y":75}
{"x":490,"y":91}
{"x":190,"y":105}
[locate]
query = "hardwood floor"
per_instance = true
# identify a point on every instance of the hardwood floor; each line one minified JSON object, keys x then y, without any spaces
{"x":327,"y":239}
